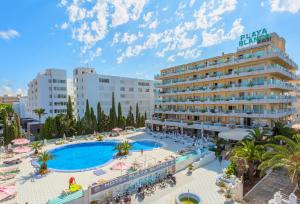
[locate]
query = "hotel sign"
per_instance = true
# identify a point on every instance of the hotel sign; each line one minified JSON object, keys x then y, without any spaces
{"x":128,"y":177}
{"x":255,"y":37}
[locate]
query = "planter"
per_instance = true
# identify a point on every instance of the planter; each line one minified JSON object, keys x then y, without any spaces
{"x":190,"y":198}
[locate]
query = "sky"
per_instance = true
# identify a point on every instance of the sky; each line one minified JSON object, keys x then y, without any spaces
{"x":133,"y":38}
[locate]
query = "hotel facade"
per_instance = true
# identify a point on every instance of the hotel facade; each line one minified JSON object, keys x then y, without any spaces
{"x":248,"y":88}
{"x":88,"y":85}
{"x":48,"y":90}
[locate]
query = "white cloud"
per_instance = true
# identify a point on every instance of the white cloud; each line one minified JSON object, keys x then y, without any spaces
{"x":116,"y":38}
{"x":129,"y":38}
{"x":211,"y":12}
{"x":153,"y":25}
{"x":181,"y":6}
{"x":192,"y":2}
{"x":171,"y":58}
{"x":190,"y":53}
{"x":8,"y":90}
{"x":165,"y":9}
{"x":126,"y":10}
{"x":9,"y":34}
{"x":292,"y":6}
{"x":64,"y":26}
{"x":219,"y":36}
{"x":147,"y":16}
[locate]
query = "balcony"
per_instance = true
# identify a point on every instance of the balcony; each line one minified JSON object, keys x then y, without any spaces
{"x":243,"y":72}
{"x":229,"y":100}
{"x":234,"y":87}
{"x":232,"y":61}
{"x":272,"y":114}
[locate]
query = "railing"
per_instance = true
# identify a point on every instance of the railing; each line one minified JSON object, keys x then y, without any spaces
{"x":233,"y":87}
{"x":238,"y":113}
{"x":234,"y":74}
{"x":231,"y":61}
{"x":256,"y":99}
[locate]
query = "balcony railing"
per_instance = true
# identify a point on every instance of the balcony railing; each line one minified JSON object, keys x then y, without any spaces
{"x":232,"y":87}
{"x":224,"y":100}
{"x":232,"y":113}
{"x":229,"y":61}
{"x":236,"y":73}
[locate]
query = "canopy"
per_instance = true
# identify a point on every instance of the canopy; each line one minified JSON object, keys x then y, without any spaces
{"x":120,"y":166}
{"x":117,"y":129}
{"x":20,"y":141}
{"x":21,"y":149}
{"x":236,"y":134}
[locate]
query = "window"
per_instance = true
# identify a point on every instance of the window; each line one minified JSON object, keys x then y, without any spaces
{"x":140,"y":90}
{"x":143,"y":84}
{"x":102,"y":80}
{"x":131,"y":89}
{"x":61,"y":81}
{"x":122,"y":95}
{"x":122,"y":88}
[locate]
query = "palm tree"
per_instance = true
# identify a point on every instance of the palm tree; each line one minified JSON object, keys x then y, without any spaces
{"x":119,"y":148}
{"x":258,"y":135}
{"x":247,"y":152}
{"x":281,"y":129}
{"x":39,"y":112}
{"x":44,"y":157}
{"x":36,"y":145}
{"x":283,"y":156}
{"x":126,"y":147}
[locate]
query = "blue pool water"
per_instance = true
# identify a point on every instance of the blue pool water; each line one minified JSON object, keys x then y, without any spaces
{"x":84,"y":156}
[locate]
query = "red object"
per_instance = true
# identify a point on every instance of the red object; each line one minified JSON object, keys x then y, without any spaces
{"x":71,"y":180}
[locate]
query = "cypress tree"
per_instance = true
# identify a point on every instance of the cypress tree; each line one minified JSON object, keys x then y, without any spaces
{"x":99,"y":117}
{"x":18,"y":126}
{"x":112,"y":113}
{"x":120,"y":117}
{"x":93,"y":121}
{"x":70,"y":109}
{"x":137,"y":115}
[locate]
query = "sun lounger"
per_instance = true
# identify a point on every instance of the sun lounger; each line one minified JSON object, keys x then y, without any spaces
{"x":9,"y":170}
{"x":7,"y":192}
{"x":99,"y":172}
{"x":7,"y":177}
{"x":12,"y":162}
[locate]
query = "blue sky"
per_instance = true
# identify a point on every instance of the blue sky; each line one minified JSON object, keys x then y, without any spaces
{"x":129,"y":37}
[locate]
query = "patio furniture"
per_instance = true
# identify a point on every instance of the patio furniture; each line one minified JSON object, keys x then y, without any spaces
{"x":7,"y":191}
{"x":99,"y":172}
{"x":12,"y":162}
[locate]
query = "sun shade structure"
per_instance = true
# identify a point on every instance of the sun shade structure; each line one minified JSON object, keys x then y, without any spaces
{"x":20,"y":141}
{"x":120,"y":166}
{"x":22,"y":149}
{"x":117,"y":129}
{"x":234,"y":134}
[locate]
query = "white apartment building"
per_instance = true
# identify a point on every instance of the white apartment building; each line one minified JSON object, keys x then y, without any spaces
{"x":99,"y":88}
{"x":48,"y":90}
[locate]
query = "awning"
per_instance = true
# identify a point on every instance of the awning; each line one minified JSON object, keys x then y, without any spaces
{"x":236,"y":134}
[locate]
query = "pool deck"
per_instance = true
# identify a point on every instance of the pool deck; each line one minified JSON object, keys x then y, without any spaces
{"x":39,"y":191}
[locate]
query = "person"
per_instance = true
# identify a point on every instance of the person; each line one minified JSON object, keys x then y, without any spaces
{"x":142,"y":152}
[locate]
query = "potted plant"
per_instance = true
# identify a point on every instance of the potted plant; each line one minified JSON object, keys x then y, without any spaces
{"x":44,"y":158}
{"x":36,"y":146}
{"x":99,"y":137}
{"x":190,"y":169}
{"x":123,"y":148}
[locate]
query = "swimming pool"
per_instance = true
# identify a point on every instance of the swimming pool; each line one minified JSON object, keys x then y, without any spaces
{"x":86,"y":156}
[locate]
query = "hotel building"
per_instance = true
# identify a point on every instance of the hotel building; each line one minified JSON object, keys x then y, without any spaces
{"x":88,"y":85}
{"x":245,"y":89}
{"x":48,"y":90}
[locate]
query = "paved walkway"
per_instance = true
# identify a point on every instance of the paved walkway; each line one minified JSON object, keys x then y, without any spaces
{"x":39,"y":191}
{"x":201,"y":182}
